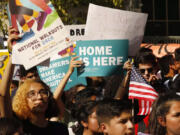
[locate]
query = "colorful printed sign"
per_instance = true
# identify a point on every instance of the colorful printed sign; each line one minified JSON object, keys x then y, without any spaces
{"x":107,"y":23}
{"x":56,"y":70}
{"x":76,"y":32}
{"x":43,"y":33}
{"x":4,"y":58}
{"x":102,"y":57}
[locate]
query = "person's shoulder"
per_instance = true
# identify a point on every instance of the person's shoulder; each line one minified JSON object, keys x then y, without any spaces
{"x":58,"y":126}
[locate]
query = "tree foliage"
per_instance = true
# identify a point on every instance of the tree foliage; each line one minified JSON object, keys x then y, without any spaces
{"x":75,"y":11}
{"x":3,"y":18}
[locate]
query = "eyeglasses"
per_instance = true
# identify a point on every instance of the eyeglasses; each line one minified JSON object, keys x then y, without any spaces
{"x":43,"y":93}
{"x":147,"y":69}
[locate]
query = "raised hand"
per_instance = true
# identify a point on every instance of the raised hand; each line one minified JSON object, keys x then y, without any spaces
{"x":13,"y":35}
{"x":74,"y":63}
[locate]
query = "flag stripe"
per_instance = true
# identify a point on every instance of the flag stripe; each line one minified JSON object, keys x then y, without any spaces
{"x":147,"y":107}
{"x":138,"y":96}
{"x":141,"y":107}
{"x":144,"y":107}
{"x":142,"y":86}
{"x":141,"y":98}
{"x":138,"y":90}
{"x":142,"y":92}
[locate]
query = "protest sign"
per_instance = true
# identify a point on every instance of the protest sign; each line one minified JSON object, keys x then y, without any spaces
{"x":107,"y":23}
{"x":16,"y":73}
{"x":160,"y":50}
{"x":102,"y":57}
{"x":1,"y":41}
{"x":42,"y":31}
{"x":4,"y":58}
{"x":56,"y":70}
{"x":76,"y":32}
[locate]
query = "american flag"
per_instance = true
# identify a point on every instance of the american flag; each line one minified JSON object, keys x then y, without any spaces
{"x":145,"y":107}
{"x":140,"y":89}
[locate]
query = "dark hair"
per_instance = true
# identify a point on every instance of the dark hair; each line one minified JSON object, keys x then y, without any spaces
{"x":177,"y":54}
{"x":145,"y":58}
{"x":161,"y":107}
{"x":23,"y":72}
{"x":109,"y":108}
{"x":95,"y":83}
{"x":83,"y":96}
{"x":70,"y":95}
{"x":164,"y":63}
{"x":9,"y":126}
{"x":15,"y":82}
{"x":143,"y":50}
{"x":82,"y":114}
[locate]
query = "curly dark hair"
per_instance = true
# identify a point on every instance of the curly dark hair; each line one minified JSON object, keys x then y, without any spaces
{"x":82,"y":114}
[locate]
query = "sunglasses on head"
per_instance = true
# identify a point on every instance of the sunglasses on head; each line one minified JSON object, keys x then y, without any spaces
{"x":148,"y":69}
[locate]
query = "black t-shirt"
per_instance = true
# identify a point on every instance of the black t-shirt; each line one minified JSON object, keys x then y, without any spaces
{"x":53,"y":128}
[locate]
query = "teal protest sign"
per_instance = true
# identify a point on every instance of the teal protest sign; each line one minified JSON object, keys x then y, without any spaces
{"x":102,"y":57}
{"x":56,"y":70}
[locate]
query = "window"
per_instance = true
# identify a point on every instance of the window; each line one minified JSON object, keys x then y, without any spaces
{"x":163,"y":17}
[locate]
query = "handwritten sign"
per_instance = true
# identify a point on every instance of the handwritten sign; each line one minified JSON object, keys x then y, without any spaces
{"x":102,"y":57}
{"x":56,"y":70}
{"x":106,"y":23}
{"x":159,"y":50}
{"x":43,"y":33}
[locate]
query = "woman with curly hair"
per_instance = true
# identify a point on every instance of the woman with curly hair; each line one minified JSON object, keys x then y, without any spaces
{"x":34,"y":104}
{"x":165,"y":116}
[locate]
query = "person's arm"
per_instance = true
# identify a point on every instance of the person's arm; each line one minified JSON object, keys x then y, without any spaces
{"x":59,"y":90}
{"x":5,"y":100}
{"x":124,"y":84}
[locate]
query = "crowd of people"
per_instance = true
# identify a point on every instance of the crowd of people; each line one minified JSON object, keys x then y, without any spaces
{"x":100,"y":108}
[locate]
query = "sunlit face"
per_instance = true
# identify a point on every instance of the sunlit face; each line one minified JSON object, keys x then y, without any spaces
{"x":37,"y":98}
{"x":93,"y":124}
{"x":173,"y":119}
{"x":147,"y":70}
{"x":121,"y":125}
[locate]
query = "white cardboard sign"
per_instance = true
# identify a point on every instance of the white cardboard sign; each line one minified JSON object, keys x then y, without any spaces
{"x":107,"y":23}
